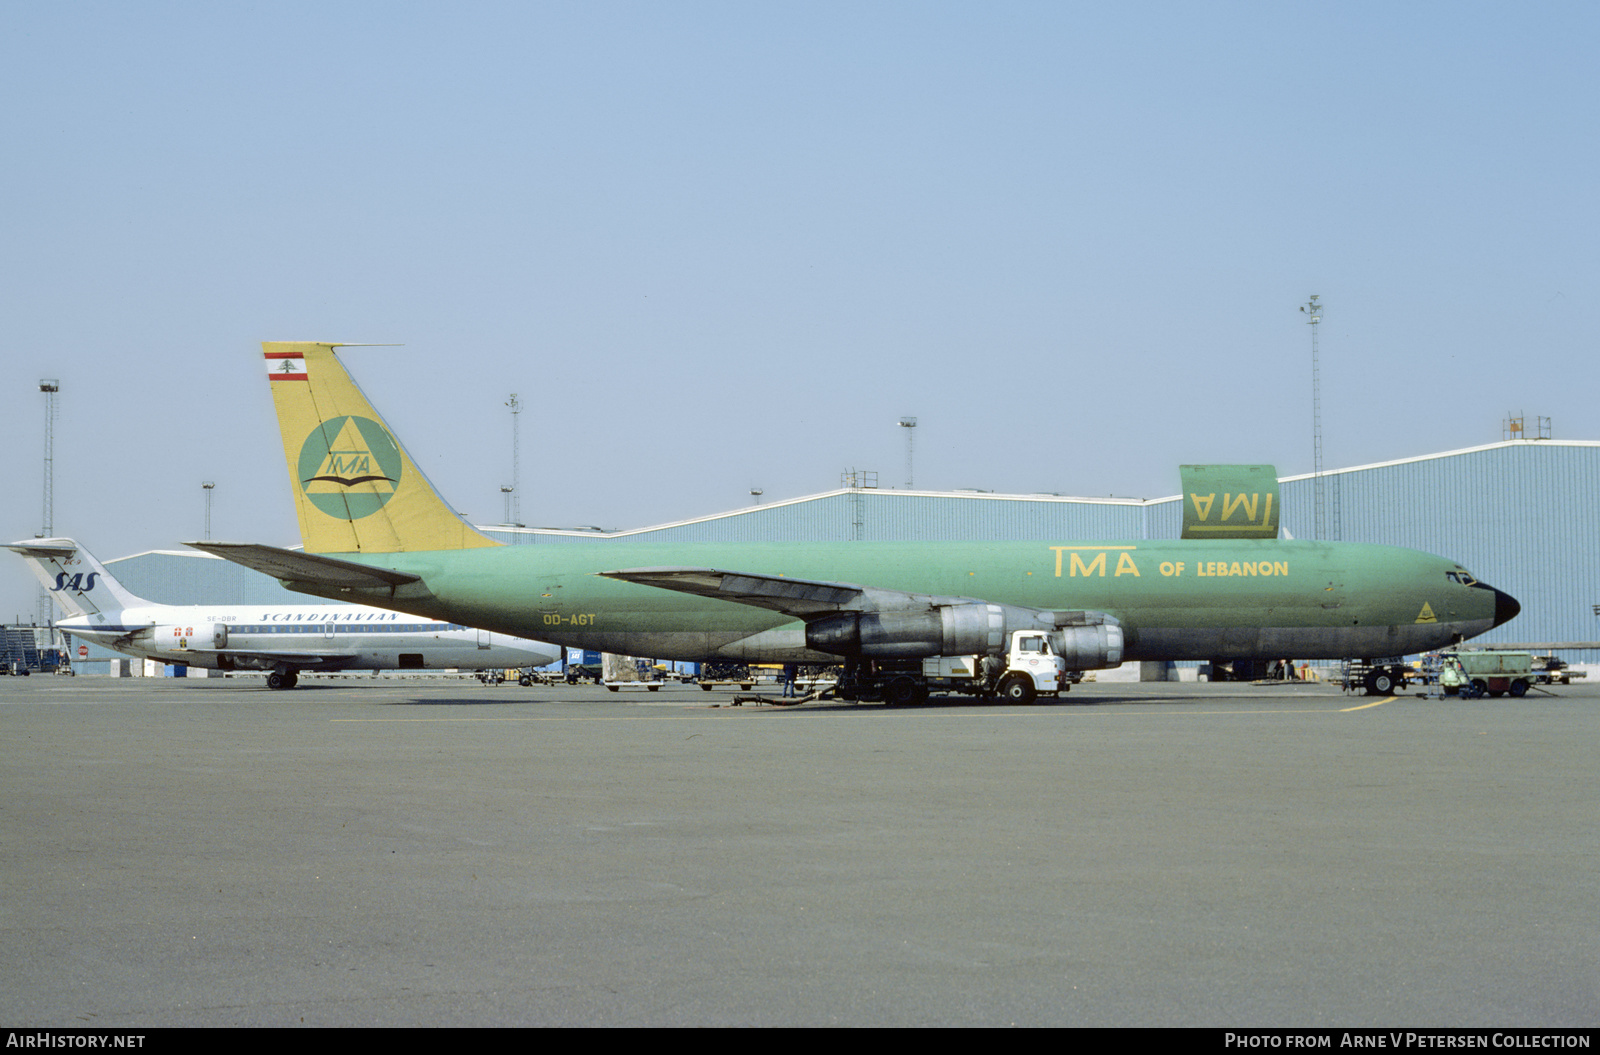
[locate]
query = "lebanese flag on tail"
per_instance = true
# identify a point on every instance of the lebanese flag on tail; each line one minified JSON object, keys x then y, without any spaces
{"x":285,"y":366}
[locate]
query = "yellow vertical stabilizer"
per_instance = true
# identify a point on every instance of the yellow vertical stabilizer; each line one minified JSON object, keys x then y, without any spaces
{"x":356,"y":490}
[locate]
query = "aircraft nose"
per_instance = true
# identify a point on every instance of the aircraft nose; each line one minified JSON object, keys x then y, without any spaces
{"x":1505,"y":607}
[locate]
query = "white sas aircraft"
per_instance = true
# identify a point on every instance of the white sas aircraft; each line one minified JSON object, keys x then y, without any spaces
{"x":280,"y":639}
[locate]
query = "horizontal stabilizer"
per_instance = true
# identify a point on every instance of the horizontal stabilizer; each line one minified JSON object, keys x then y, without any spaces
{"x":45,"y":548}
{"x":294,"y":566}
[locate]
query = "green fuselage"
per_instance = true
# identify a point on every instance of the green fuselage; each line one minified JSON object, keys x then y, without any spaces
{"x":1176,"y":599}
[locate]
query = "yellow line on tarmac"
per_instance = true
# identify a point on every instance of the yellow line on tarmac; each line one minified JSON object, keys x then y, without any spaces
{"x":1364,"y":706}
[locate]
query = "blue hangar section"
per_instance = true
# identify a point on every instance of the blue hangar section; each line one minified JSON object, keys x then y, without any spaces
{"x":1521,"y":514}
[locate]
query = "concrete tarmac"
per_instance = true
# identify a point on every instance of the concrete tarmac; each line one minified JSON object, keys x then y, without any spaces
{"x":435,"y":853}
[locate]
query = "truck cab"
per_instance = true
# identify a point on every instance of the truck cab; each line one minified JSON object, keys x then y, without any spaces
{"x":1030,"y":666}
{"x":1033,"y":664}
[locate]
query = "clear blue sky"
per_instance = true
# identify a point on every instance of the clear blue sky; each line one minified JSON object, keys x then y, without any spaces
{"x":722,"y":245}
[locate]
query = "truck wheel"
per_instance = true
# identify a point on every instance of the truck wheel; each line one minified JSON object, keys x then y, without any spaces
{"x":1519,"y":688}
{"x":1017,"y":689}
{"x":903,"y":691}
{"x":1380,"y":683}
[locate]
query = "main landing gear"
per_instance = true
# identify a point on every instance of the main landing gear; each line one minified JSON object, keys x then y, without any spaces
{"x":282,"y":678}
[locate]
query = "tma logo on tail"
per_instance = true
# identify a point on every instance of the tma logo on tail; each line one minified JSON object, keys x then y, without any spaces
{"x":1230,"y":501}
{"x":349,"y":467}
{"x":77,"y":584}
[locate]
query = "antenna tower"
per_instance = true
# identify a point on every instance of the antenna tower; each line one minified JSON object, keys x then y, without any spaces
{"x":208,"y":486}
{"x":1313,"y":312}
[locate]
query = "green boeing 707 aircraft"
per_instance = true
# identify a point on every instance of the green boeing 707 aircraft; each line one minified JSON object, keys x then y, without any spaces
{"x":376,"y":532}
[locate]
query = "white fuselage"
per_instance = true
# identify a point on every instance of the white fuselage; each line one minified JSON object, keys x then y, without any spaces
{"x":302,"y":637}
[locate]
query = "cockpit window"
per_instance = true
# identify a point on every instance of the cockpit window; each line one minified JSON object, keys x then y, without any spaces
{"x":1461,"y":577}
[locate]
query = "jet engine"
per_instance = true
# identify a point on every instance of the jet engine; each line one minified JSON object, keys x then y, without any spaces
{"x":1092,"y":647}
{"x":944,"y":630}
{"x":1085,"y":640}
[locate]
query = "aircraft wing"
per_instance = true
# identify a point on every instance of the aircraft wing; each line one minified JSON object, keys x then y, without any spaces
{"x":292,"y":659}
{"x":306,"y":567}
{"x":849,"y":619}
{"x":801,"y":598}
{"x":810,"y":599}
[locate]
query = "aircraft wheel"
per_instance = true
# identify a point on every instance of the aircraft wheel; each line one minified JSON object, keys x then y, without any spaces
{"x":1017,"y":689}
{"x":276,"y":681}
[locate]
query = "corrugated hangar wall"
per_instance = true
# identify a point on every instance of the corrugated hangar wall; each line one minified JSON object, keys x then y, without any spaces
{"x":1521,"y":515}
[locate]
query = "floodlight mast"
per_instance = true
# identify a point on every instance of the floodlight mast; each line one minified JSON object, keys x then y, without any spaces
{"x":910,"y":425}
{"x":50,"y":387}
{"x":513,"y":497}
{"x":1313,"y":312}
